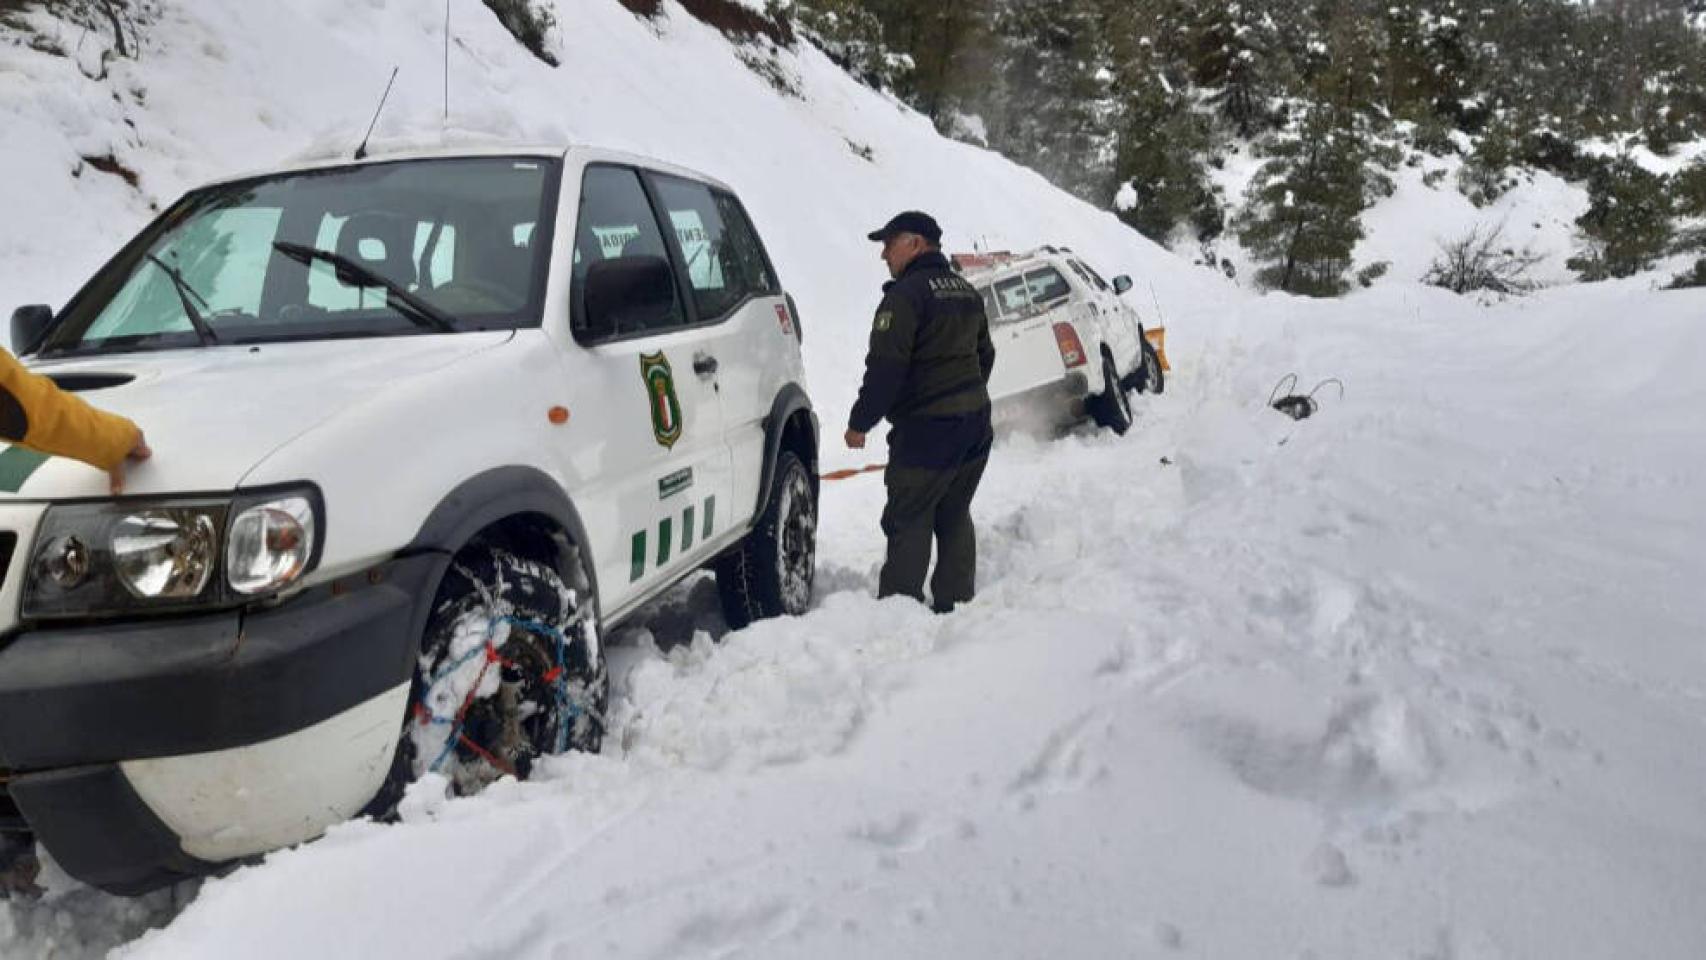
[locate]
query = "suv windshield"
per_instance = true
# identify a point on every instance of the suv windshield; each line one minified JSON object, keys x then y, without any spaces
{"x":396,"y":247}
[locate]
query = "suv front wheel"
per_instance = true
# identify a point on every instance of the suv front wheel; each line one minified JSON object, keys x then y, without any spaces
{"x":511,"y":669}
{"x":771,"y":572}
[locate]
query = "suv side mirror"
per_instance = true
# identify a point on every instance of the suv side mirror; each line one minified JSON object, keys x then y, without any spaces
{"x":29,"y":328}
{"x":628,"y":293}
{"x":1122,"y":283}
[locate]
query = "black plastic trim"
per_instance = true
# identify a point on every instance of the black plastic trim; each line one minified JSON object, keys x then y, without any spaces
{"x":791,"y":399}
{"x":160,"y":688}
{"x":101,"y":832}
{"x":486,"y":499}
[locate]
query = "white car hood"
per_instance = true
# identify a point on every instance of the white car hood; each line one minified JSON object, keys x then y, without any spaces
{"x":212,"y":414}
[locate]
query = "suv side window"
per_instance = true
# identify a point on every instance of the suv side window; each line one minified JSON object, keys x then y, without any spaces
{"x":719,"y":249}
{"x":1047,"y":286}
{"x":615,"y":220}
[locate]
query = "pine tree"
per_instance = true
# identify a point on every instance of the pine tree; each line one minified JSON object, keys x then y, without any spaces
{"x":1690,"y":189}
{"x":1303,"y":215}
{"x":1160,"y":164}
{"x":1048,"y":102}
{"x":1235,"y":53}
{"x":1350,"y":77}
{"x":1628,"y":223}
{"x":1485,"y":176}
{"x":948,"y":46}
{"x":1689,"y":201}
{"x":853,"y":37}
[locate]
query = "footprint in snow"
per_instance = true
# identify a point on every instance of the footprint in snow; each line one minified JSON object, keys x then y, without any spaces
{"x":1061,"y":764}
{"x":903,"y":832}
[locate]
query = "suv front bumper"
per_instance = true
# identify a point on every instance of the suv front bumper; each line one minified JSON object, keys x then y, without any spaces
{"x":131,"y":748}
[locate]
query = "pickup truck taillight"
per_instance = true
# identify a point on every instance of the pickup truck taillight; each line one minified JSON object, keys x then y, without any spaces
{"x":794,"y":315}
{"x":1071,"y":348}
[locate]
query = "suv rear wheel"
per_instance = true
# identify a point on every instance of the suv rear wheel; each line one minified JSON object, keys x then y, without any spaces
{"x":771,"y":572}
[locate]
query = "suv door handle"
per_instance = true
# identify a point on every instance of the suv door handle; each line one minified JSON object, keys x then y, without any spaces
{"x":704,"y":364}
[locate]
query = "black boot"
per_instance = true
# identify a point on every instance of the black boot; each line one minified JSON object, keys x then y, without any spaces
{"x":18,"y":866}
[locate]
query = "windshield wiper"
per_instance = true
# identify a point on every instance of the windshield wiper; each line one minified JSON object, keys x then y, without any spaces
{"x":418,"y":311}
{"x":187,"y":296}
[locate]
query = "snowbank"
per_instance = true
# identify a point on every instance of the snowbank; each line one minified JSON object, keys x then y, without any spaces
{"x":1419,"y":676}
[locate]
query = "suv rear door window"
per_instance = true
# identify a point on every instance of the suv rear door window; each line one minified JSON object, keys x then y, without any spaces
{"x":616,"y":220}
{"x":745,"y":250}
{"x":719,"y":250}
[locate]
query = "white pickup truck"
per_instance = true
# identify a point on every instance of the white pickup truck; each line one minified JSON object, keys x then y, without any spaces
{"x":1066,"y":344}
{"x":425,"y":425}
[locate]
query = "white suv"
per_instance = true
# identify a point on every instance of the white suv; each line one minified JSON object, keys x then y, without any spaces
{"x":425,"y":427}
{"x":1066,"y":344}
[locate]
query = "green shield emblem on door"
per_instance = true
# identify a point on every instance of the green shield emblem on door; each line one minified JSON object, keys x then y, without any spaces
{"x":660,"y":394}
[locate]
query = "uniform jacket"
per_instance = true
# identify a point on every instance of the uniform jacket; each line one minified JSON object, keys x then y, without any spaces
{"x":928,"y":367}
{"x":36,"y":414}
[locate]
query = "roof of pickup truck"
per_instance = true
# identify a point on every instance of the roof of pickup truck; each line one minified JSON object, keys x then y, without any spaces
{"x":975,"y":266}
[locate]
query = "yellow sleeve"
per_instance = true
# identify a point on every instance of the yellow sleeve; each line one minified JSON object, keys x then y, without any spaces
{"x":35,"y":413}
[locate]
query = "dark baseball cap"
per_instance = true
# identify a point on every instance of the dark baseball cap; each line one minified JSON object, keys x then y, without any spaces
{"x":912,"y":221}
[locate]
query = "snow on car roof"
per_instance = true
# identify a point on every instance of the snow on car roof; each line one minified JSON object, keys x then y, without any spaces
{"x":331,"y":152}
{"x":983,"y":266}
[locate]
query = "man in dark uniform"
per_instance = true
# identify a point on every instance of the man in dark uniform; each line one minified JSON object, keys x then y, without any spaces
{"x":928,"y":373}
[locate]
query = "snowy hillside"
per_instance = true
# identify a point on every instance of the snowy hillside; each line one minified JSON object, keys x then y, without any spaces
{"x":300,"y":77}
{"x":1421,"y":676}
{"x":1428,"y":209}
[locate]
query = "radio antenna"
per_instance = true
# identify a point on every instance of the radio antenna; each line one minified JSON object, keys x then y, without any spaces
{"x":361,"y":151}
{"x":445,"y":125}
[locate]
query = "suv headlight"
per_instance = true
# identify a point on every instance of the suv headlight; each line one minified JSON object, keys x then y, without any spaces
{"x":270,"y":545}
{"x":105,"y":558}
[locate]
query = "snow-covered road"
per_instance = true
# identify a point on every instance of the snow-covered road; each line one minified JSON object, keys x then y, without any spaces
{"x":1420,"y":676}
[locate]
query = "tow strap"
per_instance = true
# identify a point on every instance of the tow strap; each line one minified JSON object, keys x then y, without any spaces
{"x":1299,"y":406}
{"x":853,"y":472}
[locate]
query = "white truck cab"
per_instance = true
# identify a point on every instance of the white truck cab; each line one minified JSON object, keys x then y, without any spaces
{"x":1066,"y":344}
{"x":425,"y":425}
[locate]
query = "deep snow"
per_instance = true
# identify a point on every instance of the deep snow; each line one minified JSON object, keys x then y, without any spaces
{"x":1421,"y":676}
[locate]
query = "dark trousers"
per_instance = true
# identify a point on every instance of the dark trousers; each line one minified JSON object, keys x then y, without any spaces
{"x":928,"y":504}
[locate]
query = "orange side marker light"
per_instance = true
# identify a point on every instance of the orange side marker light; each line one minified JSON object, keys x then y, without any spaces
{"x":558,"y":415}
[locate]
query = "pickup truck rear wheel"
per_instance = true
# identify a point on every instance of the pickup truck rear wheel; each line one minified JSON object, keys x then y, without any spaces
{"x":772,"y":571}
{"x":511,"y":669}
{"x":1112,"y":407}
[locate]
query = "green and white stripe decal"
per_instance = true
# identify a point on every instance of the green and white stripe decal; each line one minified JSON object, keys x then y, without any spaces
{"x":694,"y":525}
{"x":17,"y":465}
